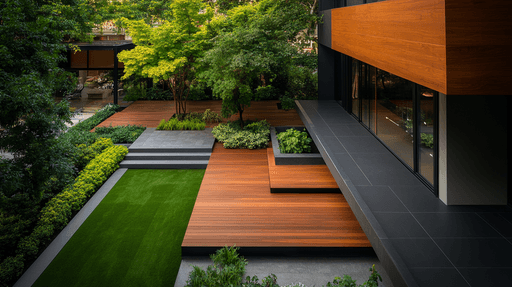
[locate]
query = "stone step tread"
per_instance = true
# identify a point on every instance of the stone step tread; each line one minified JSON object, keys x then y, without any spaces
{"x":169,"y":150}
{"x":164,"y":154}
{"x":170,"y":162}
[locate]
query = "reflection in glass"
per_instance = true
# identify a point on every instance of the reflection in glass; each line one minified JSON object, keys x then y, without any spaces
{"x":426,"y":130}
{"x":365,"y":91}
{"x":394,"y":110}
{"x":355,"y":88}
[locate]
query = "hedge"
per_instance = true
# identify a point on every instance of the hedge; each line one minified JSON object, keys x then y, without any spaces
{"x":57,"y":212}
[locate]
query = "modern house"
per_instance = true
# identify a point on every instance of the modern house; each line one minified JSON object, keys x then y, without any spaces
{"x":412,"y":123}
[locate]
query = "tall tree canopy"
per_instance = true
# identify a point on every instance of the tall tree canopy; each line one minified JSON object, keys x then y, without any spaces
{"x":252,"y":43}
{"x":169,"y":52}
{"x":31,"y":46}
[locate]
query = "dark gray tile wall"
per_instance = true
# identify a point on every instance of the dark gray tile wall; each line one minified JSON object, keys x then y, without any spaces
{"x":420,"y":240}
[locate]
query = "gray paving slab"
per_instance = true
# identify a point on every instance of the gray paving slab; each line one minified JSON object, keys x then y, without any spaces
{"x":310,"y":271}
{"x":151,"y":138}
{"x":37,"y":268}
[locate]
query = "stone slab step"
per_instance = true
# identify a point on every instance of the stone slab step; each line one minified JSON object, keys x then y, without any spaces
{"x":133,"y":149}
{"x":164,"y":164}
{"x":168,"y":156}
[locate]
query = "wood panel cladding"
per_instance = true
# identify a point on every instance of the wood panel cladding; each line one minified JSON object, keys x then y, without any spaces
{"x":457,"y":47}
{"x":403,"y":37}
{"x":479,"y":47}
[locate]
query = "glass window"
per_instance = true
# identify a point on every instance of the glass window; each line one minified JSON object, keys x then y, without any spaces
{"x":355,"y":87}
{"x":426,"y":130}
{"x":394,"y":117}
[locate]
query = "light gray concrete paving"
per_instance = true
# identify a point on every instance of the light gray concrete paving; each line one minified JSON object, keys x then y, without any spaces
{"x":37,"y":268}
{"x":310,"y":271}
{"x":151,"y":138}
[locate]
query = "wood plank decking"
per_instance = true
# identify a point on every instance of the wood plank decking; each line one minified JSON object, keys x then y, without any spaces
{"x":150,"y":113}
{"x":235,"y":206}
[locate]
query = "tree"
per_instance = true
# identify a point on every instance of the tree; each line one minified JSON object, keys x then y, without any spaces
{"x":253,"y":43}
{"x":170,"y":51}
{"x":31,"y":46}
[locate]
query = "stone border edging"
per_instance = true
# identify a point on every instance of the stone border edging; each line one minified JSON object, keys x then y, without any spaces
{"x":37,"y":268}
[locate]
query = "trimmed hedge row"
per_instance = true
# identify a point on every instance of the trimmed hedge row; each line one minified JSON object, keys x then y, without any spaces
{"x":57,"y":212}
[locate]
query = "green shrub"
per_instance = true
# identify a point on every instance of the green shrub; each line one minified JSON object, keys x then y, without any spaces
{"x":254,"y":135}
{"x":211,"y":117}
{"x":302,"y":83}
{"x":85,"y":153}
{"x":175,"y":124}
{"x":120,"y":134}
{"x":57,"y":212}
{"x":265,"y":93}
{"x":287,"y":103}
{"x":228,"y":269}
{"x":427,"y":139}
{"x":294,"y":141}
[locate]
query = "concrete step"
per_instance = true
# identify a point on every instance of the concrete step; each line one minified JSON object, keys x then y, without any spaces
{"x":164,"y":164}
{"x":168,"y":156}
{"x":133,"y":149}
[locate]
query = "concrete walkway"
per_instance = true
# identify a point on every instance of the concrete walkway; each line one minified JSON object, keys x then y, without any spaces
{"x":310,"y":271}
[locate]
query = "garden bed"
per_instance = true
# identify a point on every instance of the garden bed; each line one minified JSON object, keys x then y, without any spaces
{"x":312,"y":158}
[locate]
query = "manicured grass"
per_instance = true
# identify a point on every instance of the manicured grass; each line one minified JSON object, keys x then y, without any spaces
{"x":133,"y":238}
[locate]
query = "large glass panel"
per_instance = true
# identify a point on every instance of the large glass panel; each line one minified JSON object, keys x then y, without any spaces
{"x":365,"y":90}
{"x":371,"y":94}
{"x":355,"y":87}
{"x":394,"y":111}
{"x":426,"y":130}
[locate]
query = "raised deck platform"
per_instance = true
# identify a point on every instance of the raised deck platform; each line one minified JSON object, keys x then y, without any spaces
{"x":235,"y":206}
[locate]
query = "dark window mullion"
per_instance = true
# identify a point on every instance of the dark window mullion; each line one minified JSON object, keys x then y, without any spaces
{"x":416,"y":120}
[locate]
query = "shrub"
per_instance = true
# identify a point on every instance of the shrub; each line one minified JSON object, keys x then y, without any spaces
{"x":427,"y":140}
{"x":302,"y":83}
{"x":254,"y":135}
{"x":57,"y":212}
{"x":211,"y":117}
{"x":265,"y":93}
{"x":228,"y":269}
{"x":294,"y":141}
{"x":175,"y":124}
{"x":120,"y":134}
{"x":287,"y":103}
{"x":85,"y":153}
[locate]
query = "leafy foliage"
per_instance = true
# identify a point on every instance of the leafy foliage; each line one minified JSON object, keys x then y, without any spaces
{"x":427,"y":140}
{"x":57,"y":212}
{"x":287,"y":103}
{"x":186,"y":124}
{"x":252,"y":136}
{"x":294,"y":141}
{"x":228,"y":269}
{"x":120,"y":134}
{"x":169,"y":52}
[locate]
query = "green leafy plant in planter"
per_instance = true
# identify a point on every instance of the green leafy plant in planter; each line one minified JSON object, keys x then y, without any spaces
{"x":427,"y":140}
{"x":254,"y":135}
{"x":175,"y":124}
{"x":294,"y":141}
{"x":287,"y":103}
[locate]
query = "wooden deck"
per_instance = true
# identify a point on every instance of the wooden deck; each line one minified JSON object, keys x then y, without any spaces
{"x":300,"y":178}
{"x":235,"y":206}
{"x":150,"y":113}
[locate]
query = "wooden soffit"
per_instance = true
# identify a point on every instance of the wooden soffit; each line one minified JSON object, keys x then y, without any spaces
{"x":458,"y":47}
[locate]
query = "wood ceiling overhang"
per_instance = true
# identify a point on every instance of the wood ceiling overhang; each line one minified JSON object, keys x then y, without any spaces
{"x":456,"y":47}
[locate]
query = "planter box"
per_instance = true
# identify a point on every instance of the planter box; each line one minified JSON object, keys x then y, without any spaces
{"x":311,"y":158}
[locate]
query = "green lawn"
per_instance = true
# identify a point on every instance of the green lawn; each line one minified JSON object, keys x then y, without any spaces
{"x":133,"y":238}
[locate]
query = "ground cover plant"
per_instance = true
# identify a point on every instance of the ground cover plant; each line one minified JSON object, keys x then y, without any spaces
{"x":294,"y":141}
{"x":252,"y":136}
{"x":175,"y":124}
{"x":228,"y":269}
{"x":133,"y":237}
{"x":120,"y":134}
